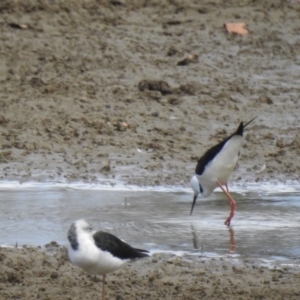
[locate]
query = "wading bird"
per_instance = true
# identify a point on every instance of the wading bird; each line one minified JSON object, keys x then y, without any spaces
{"x":215,"y":167}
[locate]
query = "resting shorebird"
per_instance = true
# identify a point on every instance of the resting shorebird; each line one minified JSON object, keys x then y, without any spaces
{"x":98,"y":252}
{"x":215,"y":167}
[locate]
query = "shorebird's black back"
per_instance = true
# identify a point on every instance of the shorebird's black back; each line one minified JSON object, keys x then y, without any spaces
{"x":211,"y":153}
{"x":108,"y":242}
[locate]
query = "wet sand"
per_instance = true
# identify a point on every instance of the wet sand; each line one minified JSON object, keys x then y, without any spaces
{"x":32,"y":273}
{"x":94,"y":91}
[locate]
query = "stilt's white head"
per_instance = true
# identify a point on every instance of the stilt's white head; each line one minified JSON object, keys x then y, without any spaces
{"x":83,"y":225}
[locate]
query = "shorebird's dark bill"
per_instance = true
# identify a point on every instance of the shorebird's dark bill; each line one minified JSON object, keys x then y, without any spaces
{"x":193,"y":204}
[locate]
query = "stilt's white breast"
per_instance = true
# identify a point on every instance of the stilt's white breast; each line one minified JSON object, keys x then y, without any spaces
{"x":221,"y":167}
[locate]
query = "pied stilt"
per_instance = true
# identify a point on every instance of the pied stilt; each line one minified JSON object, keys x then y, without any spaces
{"x":98,"y":252}
{"x":215,"y":167}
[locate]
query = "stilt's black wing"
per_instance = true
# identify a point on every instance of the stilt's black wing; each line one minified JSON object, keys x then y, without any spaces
{"x":211,"y":153}
{"x":108,"y":242}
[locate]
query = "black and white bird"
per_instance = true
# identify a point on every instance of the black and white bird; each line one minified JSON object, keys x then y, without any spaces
{"x":99,"y":252}
{"x":215,"y":167}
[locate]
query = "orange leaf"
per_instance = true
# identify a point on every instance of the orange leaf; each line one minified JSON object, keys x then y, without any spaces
{"x":238,"y":28}
{"x":18,"y":26}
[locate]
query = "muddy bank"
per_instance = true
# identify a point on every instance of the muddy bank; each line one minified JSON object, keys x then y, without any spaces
{"x":31,"y":273}
{"x":138,"y":91}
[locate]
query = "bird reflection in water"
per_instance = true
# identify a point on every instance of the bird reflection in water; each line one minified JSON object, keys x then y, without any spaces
{"x":196,"y":244}
{"x":232,"y":247}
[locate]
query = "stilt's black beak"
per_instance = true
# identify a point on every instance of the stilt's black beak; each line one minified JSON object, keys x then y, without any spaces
{"x":194,"y":202}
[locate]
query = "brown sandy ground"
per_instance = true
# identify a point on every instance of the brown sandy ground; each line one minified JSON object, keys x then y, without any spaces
{"x":31,"y":273}
{"x":84,"y":84}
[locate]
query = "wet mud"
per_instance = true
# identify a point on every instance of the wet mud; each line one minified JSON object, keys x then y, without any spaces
{"x":31,"y":273}
{"x":91,"y":90}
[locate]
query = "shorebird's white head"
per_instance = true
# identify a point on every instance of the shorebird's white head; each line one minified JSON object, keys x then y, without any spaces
{"x":83,"y":225}
{"x":77,"y":229}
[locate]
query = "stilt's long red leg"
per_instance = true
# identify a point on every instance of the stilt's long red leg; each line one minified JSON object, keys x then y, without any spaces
{"x":227,"y":188}
{"x":231,"y":202}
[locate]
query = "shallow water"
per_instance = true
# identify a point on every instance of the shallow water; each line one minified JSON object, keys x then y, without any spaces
{"x":266,"y":225}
